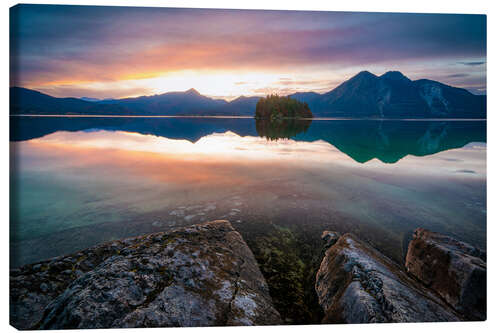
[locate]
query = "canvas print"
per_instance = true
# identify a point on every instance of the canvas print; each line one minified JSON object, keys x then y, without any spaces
{"x":216,"y":167}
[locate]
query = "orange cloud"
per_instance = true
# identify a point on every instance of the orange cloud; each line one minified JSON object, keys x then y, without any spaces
{"x":102,"y":45}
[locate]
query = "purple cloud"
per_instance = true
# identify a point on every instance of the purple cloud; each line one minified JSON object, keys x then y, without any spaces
{"x":90,"y":43}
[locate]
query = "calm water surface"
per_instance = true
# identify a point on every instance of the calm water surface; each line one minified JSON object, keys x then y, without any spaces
{"x":76,"y":182}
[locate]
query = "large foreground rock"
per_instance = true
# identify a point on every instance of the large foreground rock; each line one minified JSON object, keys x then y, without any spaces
{"x":454,"y":269}
{"x":202,"y":275}
{"x":357,"y":284}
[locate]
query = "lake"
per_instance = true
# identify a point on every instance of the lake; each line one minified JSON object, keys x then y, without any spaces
{"x":79,"y":181}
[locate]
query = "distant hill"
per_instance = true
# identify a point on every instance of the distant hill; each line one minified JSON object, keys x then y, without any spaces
{"x":90,"y":99}
{"x":391,"y":95}
{"x":171,"y":103}
{"x":190,"y":102}
{"x":26,"y":101}
{"x":243,"y":106}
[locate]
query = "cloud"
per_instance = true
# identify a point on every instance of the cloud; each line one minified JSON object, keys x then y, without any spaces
{"x":458,"y":75}
{"x":472,"y":63}
{"x":306,"y":83}
{"x":77,"y":45}
{"x":97,"y":92}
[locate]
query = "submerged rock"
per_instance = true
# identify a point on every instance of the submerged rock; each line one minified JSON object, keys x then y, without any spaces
{"x":357,"y":284}
{"x":330,"y":238}
{"x":203,"y":275}
{"x":454,"y":269}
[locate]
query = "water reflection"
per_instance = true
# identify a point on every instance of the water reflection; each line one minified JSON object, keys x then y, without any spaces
{"x":86,"y":181}
{"x":362,"y":140}
{"x":390,"y":140}
{"x":281,"y":128}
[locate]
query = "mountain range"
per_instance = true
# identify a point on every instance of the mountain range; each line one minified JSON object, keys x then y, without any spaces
{"x":365,"y":95}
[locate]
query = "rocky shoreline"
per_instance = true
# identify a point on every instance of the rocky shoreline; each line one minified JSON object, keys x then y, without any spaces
{"x":203,"y":275}
{"x":206,"y":275}
{"x":358,"y":284}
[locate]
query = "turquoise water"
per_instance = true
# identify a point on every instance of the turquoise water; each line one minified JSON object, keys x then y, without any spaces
{"x":76,"y":182}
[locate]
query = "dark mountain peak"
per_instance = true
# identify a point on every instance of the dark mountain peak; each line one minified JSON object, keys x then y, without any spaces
{"x":361,"y":80}
{"x":364,"y":75}
{"x":193,"y":91}
{"x":242,"y":99}
{"x":393,"y":95}
{"x":394,"y":76}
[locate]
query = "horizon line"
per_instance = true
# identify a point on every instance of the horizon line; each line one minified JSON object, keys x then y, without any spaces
{"x":231,"y":98}
{"x":236,"y":117}
{"x":215,"y":97}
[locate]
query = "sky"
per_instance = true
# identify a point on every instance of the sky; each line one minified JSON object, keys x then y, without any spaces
{"x":116,"y":52}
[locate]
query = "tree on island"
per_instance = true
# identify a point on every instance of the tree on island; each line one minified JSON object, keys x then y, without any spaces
{"x":274,"y":107}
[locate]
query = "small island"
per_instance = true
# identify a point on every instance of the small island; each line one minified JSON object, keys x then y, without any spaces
{"x":274,"y":107}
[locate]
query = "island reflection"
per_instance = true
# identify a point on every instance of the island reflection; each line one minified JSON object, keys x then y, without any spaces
{"x":281,"y":128}
{"x":85,"y":187}
{"x":362,"y":140}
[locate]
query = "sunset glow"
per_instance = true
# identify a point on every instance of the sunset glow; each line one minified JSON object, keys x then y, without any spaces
{"x":114,"y":52}
{"x":229,"y":148}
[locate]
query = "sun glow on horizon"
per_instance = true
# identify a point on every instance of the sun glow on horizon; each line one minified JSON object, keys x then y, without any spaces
{"x":102,"y":52}
{"x":229,"y":147}
{"x":230,"y":84}
{"x":226,"y":85}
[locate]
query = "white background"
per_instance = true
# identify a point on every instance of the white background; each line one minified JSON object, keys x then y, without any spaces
{"x":491,"y":8}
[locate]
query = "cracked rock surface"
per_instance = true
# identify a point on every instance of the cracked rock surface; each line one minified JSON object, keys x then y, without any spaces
{"x":454,"y":269}
{"x":203,"y":275}
{"x":357,"y":284}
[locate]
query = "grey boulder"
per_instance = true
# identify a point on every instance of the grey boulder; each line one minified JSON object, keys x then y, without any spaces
{"x":203,"y":275}
{"x":454,"y":269}
{"x":357,"y":284}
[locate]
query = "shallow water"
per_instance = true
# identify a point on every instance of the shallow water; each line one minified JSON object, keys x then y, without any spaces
{"x":76,"y":182}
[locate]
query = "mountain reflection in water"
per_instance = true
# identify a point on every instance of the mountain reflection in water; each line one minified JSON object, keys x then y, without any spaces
{"x":76,"y":182}
{"x":363,"y":140}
